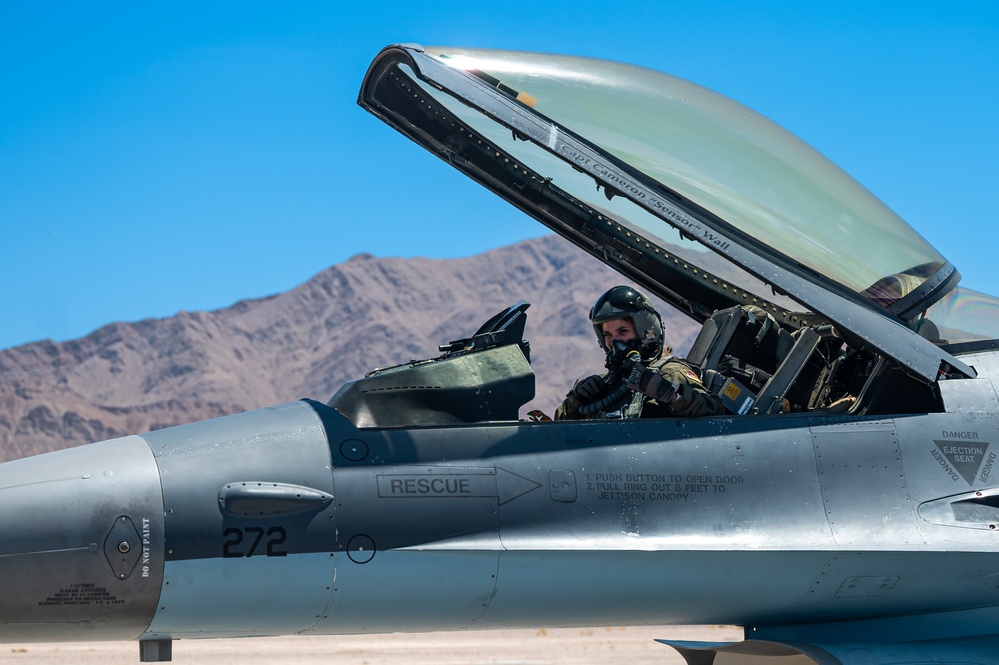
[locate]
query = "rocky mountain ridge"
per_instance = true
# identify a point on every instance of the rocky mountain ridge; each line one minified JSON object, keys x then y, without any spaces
{"x":128,"y":378}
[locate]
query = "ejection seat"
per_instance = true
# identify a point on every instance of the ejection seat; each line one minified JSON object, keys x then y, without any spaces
{"x":744,"y":341}
{"x":744,"y":332}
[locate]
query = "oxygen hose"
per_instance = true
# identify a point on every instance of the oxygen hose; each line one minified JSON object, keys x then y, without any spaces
{"x":630,"y":360}
{"x":604,"y":402}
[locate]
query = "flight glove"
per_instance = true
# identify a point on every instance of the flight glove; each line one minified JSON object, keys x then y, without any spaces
{"x":589,"y":389}
{"x":653,"y":384}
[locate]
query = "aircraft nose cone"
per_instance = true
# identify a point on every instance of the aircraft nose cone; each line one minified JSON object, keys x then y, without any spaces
{"x":81,"y":534}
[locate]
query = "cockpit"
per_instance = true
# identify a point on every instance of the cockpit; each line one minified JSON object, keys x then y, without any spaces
{"x":794,"y":269}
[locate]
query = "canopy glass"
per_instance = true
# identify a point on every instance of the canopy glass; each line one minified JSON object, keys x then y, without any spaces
{"x":767,"y":184}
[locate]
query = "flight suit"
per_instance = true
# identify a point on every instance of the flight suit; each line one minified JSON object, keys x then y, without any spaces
{"x":692,"y":399}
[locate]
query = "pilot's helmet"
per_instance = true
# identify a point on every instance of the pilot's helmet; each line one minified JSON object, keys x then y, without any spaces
{"x":624,"y":302}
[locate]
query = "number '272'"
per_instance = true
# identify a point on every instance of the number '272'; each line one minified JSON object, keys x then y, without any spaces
{"x":245,"y":541}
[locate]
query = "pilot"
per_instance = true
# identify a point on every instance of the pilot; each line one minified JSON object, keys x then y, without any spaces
{"x":642,"y":380}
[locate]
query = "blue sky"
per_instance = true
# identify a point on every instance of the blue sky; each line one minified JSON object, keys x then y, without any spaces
{"x":162,"y":157}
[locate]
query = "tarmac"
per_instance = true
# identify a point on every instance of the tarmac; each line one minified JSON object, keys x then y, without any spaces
{"x":574,"y":646}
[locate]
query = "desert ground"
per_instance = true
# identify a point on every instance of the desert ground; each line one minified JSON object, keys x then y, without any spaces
{"x":573,"y":646}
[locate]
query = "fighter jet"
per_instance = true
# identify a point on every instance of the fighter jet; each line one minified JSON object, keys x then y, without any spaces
{"x":844,"y":510}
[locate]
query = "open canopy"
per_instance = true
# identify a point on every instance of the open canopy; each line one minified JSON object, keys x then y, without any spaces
{"x":768,"y":186}
{"x":699,"y":199}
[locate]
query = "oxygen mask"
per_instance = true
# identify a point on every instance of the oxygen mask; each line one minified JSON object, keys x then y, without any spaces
{"x":622,"y":355}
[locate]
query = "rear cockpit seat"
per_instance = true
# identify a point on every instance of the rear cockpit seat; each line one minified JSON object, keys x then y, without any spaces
{"x":755,"y":366}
